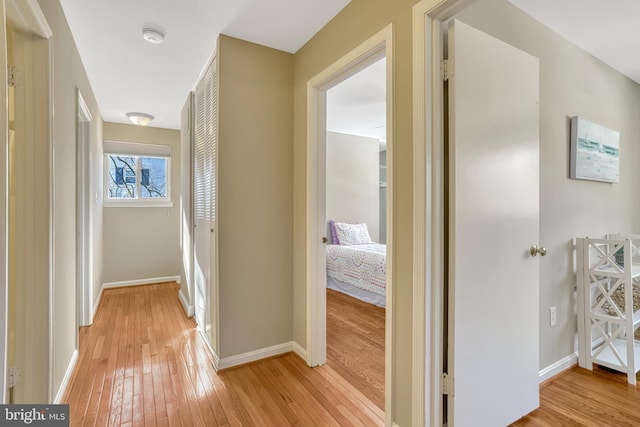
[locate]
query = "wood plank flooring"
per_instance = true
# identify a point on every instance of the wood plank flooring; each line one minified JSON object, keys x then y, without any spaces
{"x":142,"y":362}
{"x":355,"y":343}
{"x":581,"y":397}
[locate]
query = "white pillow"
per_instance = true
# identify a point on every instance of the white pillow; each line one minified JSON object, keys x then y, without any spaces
{"x":352,"y":234}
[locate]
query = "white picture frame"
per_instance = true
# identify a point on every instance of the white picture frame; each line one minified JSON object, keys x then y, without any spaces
{"x":595,"y":152}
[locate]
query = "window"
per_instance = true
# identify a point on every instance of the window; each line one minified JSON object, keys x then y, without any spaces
{"x":137,"y":174}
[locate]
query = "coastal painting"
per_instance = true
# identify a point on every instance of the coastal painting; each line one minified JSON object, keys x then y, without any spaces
{"x":595,"y":151}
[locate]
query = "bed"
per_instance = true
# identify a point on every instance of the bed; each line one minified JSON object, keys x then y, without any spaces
{"x":357,"y":267}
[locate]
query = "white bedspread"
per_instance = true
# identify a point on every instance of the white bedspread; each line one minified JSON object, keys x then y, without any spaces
{"x":363,"y":266}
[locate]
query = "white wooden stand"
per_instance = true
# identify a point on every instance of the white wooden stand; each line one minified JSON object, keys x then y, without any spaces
{"x":606,"y":338}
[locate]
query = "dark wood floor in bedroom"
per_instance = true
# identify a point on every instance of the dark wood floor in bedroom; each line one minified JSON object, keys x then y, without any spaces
{"x":355,"y":343}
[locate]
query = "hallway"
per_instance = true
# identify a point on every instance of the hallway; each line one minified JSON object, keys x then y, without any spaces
{"x":142,"y":362}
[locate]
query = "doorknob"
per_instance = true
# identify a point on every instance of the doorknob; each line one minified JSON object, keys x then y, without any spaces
{"x":324,"y":240}
{"x":535,"y":250}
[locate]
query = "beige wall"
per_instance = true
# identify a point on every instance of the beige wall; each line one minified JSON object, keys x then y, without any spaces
{"x":143,"y":242}
{"x":254,"y":196}
{"x":353,"y":180}
{"x":69,"y":74}
{"x":357,"y":22}
{"x":572,"y":82}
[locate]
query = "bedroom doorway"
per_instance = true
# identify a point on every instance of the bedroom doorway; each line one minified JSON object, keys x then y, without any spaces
{"x":325,"y":137}
{"x":356,"y":176}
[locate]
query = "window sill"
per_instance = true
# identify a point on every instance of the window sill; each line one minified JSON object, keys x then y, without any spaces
{"x":137,"y":204}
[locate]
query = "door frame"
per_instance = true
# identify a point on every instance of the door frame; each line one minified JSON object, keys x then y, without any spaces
{"x":26,"y":16}
{"x":84,"y":257}
{"x":378,"y":46}
{"x":428,"y":208}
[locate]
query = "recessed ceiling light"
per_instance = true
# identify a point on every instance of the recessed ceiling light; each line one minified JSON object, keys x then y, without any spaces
{"x":152,"y":35}
{"x":140,"y":119}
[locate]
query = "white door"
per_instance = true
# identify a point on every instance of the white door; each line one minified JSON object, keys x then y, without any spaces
{"x":493,"y":181}
{"x":204,"y":206}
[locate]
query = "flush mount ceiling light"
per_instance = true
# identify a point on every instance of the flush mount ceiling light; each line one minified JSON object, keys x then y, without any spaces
{"x":152,"y":35}
{"x":140,"y":119}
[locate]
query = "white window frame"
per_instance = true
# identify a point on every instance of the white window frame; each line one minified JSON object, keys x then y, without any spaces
{"x":128,"y":149}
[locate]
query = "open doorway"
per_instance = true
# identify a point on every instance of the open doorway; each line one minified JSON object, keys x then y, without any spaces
{"x":373,"y":50}
{"x":356,"y":185}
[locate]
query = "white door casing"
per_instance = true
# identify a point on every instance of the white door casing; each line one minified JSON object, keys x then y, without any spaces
{"x":494,"y":219}
{"x":186,"y":205}
{"x":379,"y":45}
{"x":84,"y":257}
{"x":428,"y":208}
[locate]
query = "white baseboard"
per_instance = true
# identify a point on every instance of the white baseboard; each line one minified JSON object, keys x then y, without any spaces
{"x":216,"y":358}
{"x":95,"y":306}
{"x":252,"y":356}
{"x":297,"y":349}
{"x":559,"y":366}
{"x":139,"y":282}
{"x":66,"y":378}
{"x":185,"y":304}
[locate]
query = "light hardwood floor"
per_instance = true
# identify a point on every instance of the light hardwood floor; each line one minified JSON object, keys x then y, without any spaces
{"x":142,"y":362}
{"x":355,"y":343}
{"x":580,"y":397}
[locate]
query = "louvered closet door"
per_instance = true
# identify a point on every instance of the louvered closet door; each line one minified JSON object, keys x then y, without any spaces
{"x":204,"y":197}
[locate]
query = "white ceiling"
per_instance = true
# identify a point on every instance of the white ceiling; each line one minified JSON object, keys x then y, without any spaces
{"x":608,"y":30}
{"x":129,"y":74}
{"x":357,"y":105}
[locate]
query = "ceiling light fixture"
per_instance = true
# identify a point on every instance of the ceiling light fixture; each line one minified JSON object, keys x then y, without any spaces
{"x":140,"y":119}
{"x":152,"y":35}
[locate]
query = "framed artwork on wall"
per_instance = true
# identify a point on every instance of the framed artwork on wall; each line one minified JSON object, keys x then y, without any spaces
{"x":595,"y":151}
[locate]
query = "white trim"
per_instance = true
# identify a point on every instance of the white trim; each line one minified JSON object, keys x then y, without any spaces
{"x":52,"y":200}
{"x":4,"y":214}
{"x":378,"y":46}
{"x":214,"y":356}
{"x":67,"y":376}
{"x":139,"y":282}
{"x":28,"y":16}
{"x":253,"y":356}
{"x":216,"y":359}
{"x":428,"y":208}
{"x":96,"y":305}
{"x":558,"y":367}
{"x":136,"y":203}
{"x":84,"y":220}
{"x":297,"y":349}
{"x":188,"y":308}
{"x":136,"y":149}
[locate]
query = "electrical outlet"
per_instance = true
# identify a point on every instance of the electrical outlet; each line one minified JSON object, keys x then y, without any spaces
{"x":553,"y":316}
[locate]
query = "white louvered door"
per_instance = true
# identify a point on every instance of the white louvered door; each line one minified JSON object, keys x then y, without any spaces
{"x":205,"y":143}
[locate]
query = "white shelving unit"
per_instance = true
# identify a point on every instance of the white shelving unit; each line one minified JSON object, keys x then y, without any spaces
{"x":606,"y":327}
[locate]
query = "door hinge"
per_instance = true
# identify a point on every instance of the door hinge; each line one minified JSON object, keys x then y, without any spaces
{"x":13,"y":377}
{"x":13,"y":75}
{"x":446,"y":69}
{"x":446,"y":384}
